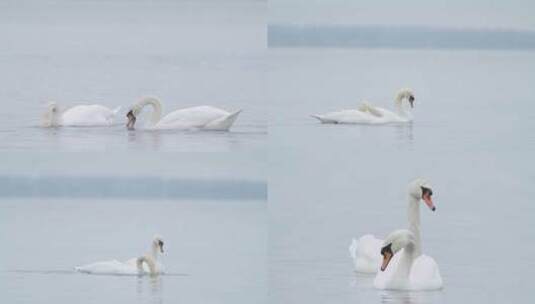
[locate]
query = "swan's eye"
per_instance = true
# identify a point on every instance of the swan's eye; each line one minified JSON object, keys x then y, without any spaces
{"x":386,"y":249}
{"x":426,"y":191}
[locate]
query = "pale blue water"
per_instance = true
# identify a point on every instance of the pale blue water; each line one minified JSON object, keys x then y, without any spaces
{"x":471,"y":137}
{"x":114,"y":53}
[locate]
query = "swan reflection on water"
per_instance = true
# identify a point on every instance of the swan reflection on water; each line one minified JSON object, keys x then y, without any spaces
{"x":364,"y":282}
{"x":153,"y":137}
{"x":404,"y":132}
{"x":150,"y":286}
{"x":409,"y":297}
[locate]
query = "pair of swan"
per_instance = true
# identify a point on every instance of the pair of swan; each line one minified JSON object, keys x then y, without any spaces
{"x":366,"y":113}
{"x":399,"y":256}
{"x":201,"y":117}
{"x":145,"y":264}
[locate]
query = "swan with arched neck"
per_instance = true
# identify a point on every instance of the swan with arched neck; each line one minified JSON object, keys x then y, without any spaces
{"x":145,"y":264}
{"x":92,"y":115}
{"x":200,"y":117}
{"x":367,"y":113}
{"x":366,"y":250}
{"x":403,"y":267}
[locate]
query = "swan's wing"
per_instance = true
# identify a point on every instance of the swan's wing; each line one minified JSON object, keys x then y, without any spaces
{"x":194,"y":117}
{"x":390,"y":116}
{"x":88,"y":115}
{"x":366,"y":253}
{"x":386,"y":114}
{"x":370,"y":109}
{"x":223,"y":123}
{"x":112,"y":267}
{"x":346,"y":116}
{"x":425,"y":274}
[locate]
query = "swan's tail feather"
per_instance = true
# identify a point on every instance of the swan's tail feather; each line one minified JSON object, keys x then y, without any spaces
{"x":223,"y":123}
{"x":323,"y":119}
{"x":318,"y":117}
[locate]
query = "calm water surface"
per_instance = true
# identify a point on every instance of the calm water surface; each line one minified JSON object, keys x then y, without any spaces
{"x":472,"y":138}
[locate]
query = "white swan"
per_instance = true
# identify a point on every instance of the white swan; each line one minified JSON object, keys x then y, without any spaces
{"x":146,"y":264}
{"x":410,"y":270}
{"x":366,"y":250}
{"x":201,"y":117}
{"x":368,"y":114}
{"x":79,"y":116}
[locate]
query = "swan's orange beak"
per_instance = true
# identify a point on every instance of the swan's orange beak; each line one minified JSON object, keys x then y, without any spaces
{"x":387,"y":256}
{"x":131,"y":120}
{"x":428,"y":201}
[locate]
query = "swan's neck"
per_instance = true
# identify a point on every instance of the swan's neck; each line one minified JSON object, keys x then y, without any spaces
{"x":406,"y":261}
{"x":155,"y":252}
{"x":156,"y":108}
{"x":413,"y":213}
{"x":400,"y":109}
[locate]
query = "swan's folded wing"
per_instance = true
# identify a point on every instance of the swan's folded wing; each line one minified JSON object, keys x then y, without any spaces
{"x":222,"y":123}
{"x":87,"y":115}
{"x":112,"y":267}
{"x":366,"y":253}
{"x":425,"y":274}
{"x":346,"y":117}
{"x":194,"y":117}
{"x":372,"y":110}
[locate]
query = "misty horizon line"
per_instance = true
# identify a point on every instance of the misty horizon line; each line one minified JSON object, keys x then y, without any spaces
{"x":405,"y":26}
{"x":147,"y":187}
{"x":413,"y":36}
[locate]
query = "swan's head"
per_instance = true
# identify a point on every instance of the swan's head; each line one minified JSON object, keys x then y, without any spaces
{"x":134,"y":111}
{"x":50,"y":116}
{"x":405,"y":94}
{"x":420,"y":189}
{"x":157,"y":242}
{"x":131,"y":120}
{"x":53,"y":107}
{"x":132,"y":115}
{"x":393,"y":243}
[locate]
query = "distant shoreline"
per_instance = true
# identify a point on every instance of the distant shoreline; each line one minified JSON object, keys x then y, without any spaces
{"x":147,"y":187}
{"x":397,"y":37}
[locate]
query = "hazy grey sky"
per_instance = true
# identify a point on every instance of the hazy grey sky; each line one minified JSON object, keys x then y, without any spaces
{"x":510,"y":14}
